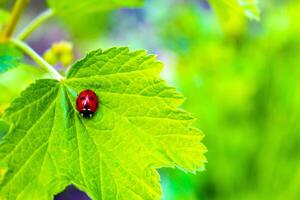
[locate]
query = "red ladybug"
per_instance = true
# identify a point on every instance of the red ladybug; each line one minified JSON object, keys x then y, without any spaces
{"x":87,"y":103}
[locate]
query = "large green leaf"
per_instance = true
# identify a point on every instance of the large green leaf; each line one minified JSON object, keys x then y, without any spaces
{"x":114,"y":155}
{"x":246,"y":7}
{"x":9,"y":57}
{"x":80,"y":7}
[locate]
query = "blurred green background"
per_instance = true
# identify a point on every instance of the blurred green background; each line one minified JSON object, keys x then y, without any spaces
{"x":241,"y":78}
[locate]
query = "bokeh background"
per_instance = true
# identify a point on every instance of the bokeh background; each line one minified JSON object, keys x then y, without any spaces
{"x":241,"y":78}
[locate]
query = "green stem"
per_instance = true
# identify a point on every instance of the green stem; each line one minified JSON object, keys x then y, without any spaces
{"x":17,"y":11}
{"x":35,"y":23}
{"x":38,"y":59}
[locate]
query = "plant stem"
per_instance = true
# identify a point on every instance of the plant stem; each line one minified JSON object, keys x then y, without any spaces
{"x":17,"y":11}
{"x":38,"y":59}
{"x":35,"y":23}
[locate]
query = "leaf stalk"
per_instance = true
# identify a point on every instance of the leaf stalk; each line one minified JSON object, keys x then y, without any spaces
{"x":37,"y":58}
{"x":35,"y":23}
{"x":17,"y":12}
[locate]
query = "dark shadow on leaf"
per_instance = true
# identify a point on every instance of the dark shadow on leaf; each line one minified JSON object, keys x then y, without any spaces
{"x":71,"y":193}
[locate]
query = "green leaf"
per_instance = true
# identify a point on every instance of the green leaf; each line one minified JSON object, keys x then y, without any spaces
{"x":137,"y":129}
{"x":15,"y":80}
{"x":9,"y":57}
{"x":246,"y":7}
{"x":3,"y":129}
{"x":80,"y":8}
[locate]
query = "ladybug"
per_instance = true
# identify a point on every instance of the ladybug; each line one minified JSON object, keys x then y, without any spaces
{"x":87,"y":103}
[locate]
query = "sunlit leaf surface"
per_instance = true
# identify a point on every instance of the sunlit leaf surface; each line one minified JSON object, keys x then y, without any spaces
{"x":114,"y":155}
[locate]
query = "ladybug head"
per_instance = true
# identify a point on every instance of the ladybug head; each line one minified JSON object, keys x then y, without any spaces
{"x":86,"y":112}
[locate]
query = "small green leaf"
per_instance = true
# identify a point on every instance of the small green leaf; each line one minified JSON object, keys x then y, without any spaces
{"x":80,"y":7}
{"x":9,"y":57}
{"x":137,"y":129}
{"x":246,"y":7}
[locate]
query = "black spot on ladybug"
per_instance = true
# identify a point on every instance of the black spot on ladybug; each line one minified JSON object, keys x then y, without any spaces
{"x":87,"y":103}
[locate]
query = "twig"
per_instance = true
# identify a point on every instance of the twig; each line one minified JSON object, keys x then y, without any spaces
{"x":37,"y":58}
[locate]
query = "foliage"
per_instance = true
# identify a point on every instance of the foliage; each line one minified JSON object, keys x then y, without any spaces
{"x":15,"y":80}
{"x":79,"y":7}
{"x":133,"y":100}
{"x":4,"y":15}
{"x":3,"y":129}
{"x":9,"y":57}
{"x":242,"y":86}
{"x":246,"y":7}
{"x":139,"y":127}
